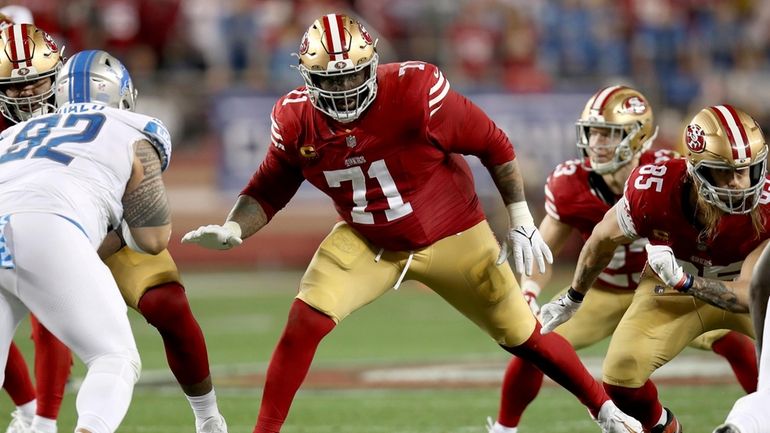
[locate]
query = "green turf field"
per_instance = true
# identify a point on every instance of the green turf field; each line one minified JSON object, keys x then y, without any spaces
{"x":242,"y":315}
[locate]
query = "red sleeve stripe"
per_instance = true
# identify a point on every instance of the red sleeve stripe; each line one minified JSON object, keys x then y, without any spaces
{"x":602,"y":96}
{"x":734,"y":129}
{"x":335,"y":36}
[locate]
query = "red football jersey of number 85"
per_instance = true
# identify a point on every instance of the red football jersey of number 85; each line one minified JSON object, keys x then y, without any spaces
{"x":654,"y":207}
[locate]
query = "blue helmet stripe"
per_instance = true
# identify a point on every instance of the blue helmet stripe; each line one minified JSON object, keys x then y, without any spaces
{"x":79,"y":76}
{"x":70,"y":94}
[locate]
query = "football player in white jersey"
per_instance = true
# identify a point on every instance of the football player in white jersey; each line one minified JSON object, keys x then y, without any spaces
{"x":749,"y":413}
{"x":66,"y":178}
{"x":150,"y":284}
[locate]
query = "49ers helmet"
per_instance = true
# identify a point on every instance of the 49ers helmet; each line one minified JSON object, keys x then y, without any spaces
{"x":27,"y":54}
{"x":628,"y":116}
{"x":724,"y":137}
{"x":336,"y":45}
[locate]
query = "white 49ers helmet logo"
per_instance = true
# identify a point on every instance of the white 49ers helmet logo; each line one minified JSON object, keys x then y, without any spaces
{"x":634,"y":105}
{"x":365,"y":35}
{"x":304,"y":45}
{"x":696,"y":141}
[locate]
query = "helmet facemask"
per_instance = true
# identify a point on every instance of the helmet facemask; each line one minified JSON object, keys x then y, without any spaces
{"x":338,"y":63}
{"x":629,"y":122}
{"x":619,"y":139}
{"x":726,"y":158}
{"x":24,"y":108}
{"x":730,"y":200}
{"x":29,"y":61}
{"x":342,"y":105}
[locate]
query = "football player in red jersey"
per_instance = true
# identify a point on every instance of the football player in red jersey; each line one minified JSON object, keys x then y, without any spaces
{"x":614,"y":134}
{"x":749,"y":413}
{"x":384,"y":142}
{"x":150,"y":284}
{"x":707,"y":218}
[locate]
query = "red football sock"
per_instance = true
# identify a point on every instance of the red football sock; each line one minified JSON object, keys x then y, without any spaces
{"x":641,"y":403}
{"x":166,"y":308}
{"x":53,"y":363}
{"x":290,"y":363}
{"x":552,"y":354}
{"x":17,"y":383}
{"x":740,"y":352}
{"x":521,"y":384}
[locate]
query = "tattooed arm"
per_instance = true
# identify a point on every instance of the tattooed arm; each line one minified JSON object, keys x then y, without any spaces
{"x":249,"y":215}
{"x":509,"y":182}
{"x":598,"y":251}
{"x":718,"y":294}
{"x":734,"y":295}
{"x":145,"y":204}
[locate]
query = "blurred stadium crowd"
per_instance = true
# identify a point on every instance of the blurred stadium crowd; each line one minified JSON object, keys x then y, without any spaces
{"x":682,"y":53}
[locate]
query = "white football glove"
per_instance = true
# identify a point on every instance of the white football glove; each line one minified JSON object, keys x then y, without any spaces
{"x":530,"y":290}
{"x":527,"y":246}
{"x":557,"y":312}
{"x":662,"y":261}
{"x":216,"y":237}
{"x":524,"y":241}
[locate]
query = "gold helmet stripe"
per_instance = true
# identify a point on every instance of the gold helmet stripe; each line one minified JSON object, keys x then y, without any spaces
{"x":17,"y":39}
{"x":603,"y":96}
{"x":735,"y":131}
{"x":335,"y":36}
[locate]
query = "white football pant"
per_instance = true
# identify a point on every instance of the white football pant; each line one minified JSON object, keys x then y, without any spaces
{"x":750,"y":413}
{"x":58,"y":276}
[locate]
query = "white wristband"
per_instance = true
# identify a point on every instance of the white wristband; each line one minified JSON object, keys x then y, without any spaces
{"x":519,"y":214}
{"x":234,"y":227}
{"x":530,"y":286}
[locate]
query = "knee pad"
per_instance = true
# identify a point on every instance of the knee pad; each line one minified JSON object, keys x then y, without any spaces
{"x":126,"y":365}
{"x":164,"y":305}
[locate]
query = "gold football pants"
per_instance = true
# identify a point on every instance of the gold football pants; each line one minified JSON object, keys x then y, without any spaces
{"x":657,"y":327}
{"x":600,"y":314}
{"x":136,"y":272}
{"x":347,"y":272}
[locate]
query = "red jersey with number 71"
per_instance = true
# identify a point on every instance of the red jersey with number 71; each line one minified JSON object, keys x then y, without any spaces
{"x":395,"y":174}
{"x":655,"y":206}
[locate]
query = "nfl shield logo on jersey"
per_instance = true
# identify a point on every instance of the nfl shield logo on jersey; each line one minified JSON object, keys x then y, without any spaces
{"x":351,"y":141}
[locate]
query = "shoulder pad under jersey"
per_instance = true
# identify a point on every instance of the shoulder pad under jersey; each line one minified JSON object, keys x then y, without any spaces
{"x":160,"y":138}
{"x":152,"y":128}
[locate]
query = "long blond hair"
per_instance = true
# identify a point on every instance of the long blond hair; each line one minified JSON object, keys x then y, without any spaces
{"x":709,"y":215}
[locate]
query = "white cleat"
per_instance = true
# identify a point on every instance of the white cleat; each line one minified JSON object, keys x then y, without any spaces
{"x":18,"y":424}
{"x":214,"y":424}
{"x":613,"y":420}
{"x":496,"y":427}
